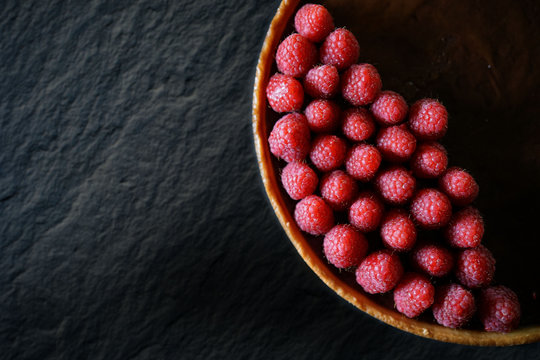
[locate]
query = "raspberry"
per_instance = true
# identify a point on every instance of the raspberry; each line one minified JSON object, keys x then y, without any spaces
{"x":429,"y":160}
{"x":328,"y":152}
{"x":453,"y":306}
{"x":322,"y":115}
{"x":338,"y":189}
{"x":413,"y":295}
{"x":428,"y":119}
{"x":360,"y":84}
{"x":358,"y":124}
{"x":299,"y":180}
{"x":396,"y":185}
{"x":284,"y":93}
{"x":433,"y":259}
{"x":296,"y":55}
{"x":313,"y":22}
{"x":362,"y":162}
{"x":459,"y":185}
{"x":398,"y":231}
{"x":340,"y":49}
{"x":379,"y":272}
{"x":366,"y":212}
{"x":322,"y":82}
{"x":499,"y":309}
{"x":475,"y":267}
{"x":465,"y":229}
{"x":344,"y":246}
{"x":289,"y":139}
{"x":313,"y":215}
{"x":431,"y":209}
{"x":396,"y":143}
{"x":389,"y":108}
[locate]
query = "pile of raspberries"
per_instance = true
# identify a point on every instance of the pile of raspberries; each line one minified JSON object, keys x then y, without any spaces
{"x":362,"y":151}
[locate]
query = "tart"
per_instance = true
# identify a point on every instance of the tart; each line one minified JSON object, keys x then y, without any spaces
{"x":456,"y":51}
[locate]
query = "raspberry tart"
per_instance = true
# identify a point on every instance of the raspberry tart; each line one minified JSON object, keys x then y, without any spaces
{"x":372,"y":153}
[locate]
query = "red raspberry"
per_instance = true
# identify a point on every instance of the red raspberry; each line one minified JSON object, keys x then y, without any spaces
{"x":432,"y":259}
{"x":499,"y":309}
{"x":389,"y":108}
{"x":379,"y":272}
{"x":322,"y":82}
{"x":358,"y":124}
{"x":475,"y":267}
{"x":396,"y":185}
{"x":313,"y":22}
{"x":453,"y":306}
{"x":366,"y":212}
{"x":340,"y":49}
{"x":360,"y":84}
{"x":328,"y":152}
{"x":362,"y":162}
{"x":284,"y":93}
{"x":429,"y":161}
{"x":313,"y":215}
{"x":413,"y":295}
{"x":322,"y":115}
{"x":289,"y":139}
{"x":296,"y":55}
{"x":431,"y":209}
{"x":428,"y":119}
{"x":398,"y":231}
{"x":299,"y":180}
{"x":459,"y":185}
{"x":396,"y":143}
{"x":465,"y":229}
{"x":338,"y":189}
{"x":344,"y":246}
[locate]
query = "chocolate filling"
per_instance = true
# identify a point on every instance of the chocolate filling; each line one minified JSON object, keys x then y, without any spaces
{"x":479,"y":60}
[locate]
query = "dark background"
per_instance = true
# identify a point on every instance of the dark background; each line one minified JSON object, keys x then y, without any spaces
{"x":133,"y":220}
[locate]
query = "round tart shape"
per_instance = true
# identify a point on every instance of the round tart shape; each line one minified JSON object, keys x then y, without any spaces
{"x":398,"y":22}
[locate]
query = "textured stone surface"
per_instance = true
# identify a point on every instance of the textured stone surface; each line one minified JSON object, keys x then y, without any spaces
{"x":133,"y":222}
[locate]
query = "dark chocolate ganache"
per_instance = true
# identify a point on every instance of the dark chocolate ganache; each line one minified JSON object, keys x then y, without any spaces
{"x":479,"y":59}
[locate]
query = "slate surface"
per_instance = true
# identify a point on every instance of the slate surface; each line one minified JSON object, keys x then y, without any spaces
{"x":133,"y":221}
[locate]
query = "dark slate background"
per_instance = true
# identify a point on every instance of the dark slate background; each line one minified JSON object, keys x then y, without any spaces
{"x":133,"y":222}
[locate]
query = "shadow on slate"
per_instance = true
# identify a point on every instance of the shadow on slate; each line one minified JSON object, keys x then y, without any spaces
{"x":134,"y":223}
